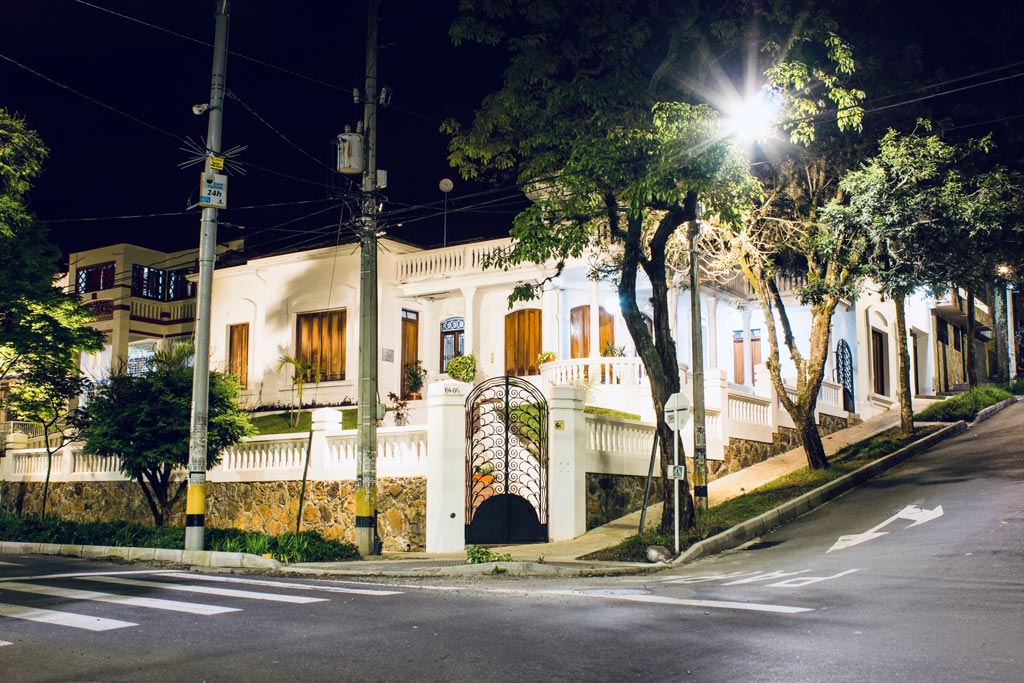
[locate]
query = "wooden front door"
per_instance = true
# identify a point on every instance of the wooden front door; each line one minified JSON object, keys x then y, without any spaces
{"x":579,"y":331}
{"x":410,"y":344}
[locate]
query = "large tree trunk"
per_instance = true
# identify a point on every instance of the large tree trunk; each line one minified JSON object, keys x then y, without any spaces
{"x":906,"y":400}
{"x":810,"y":439}
{"x":158,"y":518}
{"x":999,"y":318}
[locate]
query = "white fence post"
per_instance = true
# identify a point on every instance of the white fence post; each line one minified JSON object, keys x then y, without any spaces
{"x":324,"y":421}
{"x":567,"y":446}
{"x":446,"y":466}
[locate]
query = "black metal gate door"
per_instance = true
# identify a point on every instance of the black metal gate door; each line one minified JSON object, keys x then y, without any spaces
{"x":506,"y":463}
{"x":844,"y":375}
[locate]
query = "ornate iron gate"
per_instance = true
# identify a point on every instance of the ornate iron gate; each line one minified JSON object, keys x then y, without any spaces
{"x":844,"y":374}
{"x":506,"y":463}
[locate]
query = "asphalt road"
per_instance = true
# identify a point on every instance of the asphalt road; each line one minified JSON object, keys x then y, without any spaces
{"x":917,"y":576}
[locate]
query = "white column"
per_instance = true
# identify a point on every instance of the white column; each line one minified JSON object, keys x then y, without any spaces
{"x":325,"y":421}
{"x":568,"y":464}
{"x":684,"y":347}
{"x":748,"y":353}
{"x":470,"y":317}
{"x":549,"y":319}
{"x":712,"y":336}
{"x":446,"y":466}
{"x":564,"y":324}
{"x":595,"y":320}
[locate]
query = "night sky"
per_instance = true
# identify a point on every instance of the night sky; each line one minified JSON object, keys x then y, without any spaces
{"x":103,"y":164}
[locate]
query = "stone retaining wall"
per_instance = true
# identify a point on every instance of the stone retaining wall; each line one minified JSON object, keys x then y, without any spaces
{"x":741,"y":453}
{"x":610,"y":496}
{"x":267,"y":507}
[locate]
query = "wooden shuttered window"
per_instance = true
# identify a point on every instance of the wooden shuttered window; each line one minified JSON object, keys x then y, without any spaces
{"x":320,"y":343}
{"x":579,"y":331}
{"x":238,"y":352}
{"x":878,"y":362}
{"x":522,"y":342}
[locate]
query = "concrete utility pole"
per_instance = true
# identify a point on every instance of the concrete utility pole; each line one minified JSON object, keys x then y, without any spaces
{"x":195,"y":503}
{"x":366,"y":466}
{"x":700,"y":450}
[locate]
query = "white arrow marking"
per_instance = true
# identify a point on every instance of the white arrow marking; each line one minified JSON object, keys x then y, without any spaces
{"x":911,"y":512}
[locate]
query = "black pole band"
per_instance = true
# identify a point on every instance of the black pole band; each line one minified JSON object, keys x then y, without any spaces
{"x":366,"y":522}
{"x":700,"y":491}
{"x":194,"y":520}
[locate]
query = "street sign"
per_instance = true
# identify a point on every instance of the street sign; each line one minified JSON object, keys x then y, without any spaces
{"x":677,"y":410}
{"x":216,"y":162}
{"x":213,"y":190}
{"x":677,"y":472}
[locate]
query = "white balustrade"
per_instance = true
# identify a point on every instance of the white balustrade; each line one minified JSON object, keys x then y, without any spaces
{"x":450,"y":261}
{"x":624,"y":371}
{"x":616,"y":446}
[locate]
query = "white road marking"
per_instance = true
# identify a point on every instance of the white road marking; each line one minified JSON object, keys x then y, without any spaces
{"x":9,"y":564}
{"x":766,"y":576}
{"x":75,"y":575}
{"x":4,"y":642}
{"x":808,"y":580}
{"x":152,"y":603}
{"x":47,"y":616}
{"x":911,"y":512}
{"x":208,"y":590}
{"x":280,"y":584}
{"x":705,"y":604}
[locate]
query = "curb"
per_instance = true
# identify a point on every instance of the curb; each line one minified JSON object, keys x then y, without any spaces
{"x":752,"y":528}
{"x":986,"y":413}
{"x":192,"y":558}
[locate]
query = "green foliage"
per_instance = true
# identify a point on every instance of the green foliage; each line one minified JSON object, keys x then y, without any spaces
{"x":145,"y":422}
{"x":40,"y":325}
{"x":414,"y":375}
{"x":546,"y":357}
{"x":608,"y":412}
{"x":1015,"y":387}
{"x":480,"y":555}
{"x":301,"y":374}
{"x":964,"y":406}
{"x":307,"y":546}
{"x":462,"y":368}
{"x":751,"y":504}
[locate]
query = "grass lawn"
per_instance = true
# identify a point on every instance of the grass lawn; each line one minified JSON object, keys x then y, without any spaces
{"x":749,"y":505}
{"x":280,"y":423}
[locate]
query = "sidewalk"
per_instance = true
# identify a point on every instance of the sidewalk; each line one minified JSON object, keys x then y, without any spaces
{"x":552,"y":559}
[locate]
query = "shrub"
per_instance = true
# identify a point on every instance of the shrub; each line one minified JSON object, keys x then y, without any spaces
{"x":481,"y":555}
{"x":964,"y":406}
{"x":307,"y":546}
{"x":462,"y":368}
{"x":1015,"y":387}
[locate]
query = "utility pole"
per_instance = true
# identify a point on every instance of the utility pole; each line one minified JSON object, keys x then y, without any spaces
{"x":195,"y":502}
{"x":700,"y":450}
{"x":366,"y":466}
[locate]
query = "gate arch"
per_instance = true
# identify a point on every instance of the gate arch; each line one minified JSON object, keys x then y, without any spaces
{"x":506,"y":463}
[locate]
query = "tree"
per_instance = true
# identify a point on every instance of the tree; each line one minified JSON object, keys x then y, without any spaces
{"x":604,"y":115}
{"x":44,"y":394}
{"x":39,"y":323}
{"x":144,"y":421}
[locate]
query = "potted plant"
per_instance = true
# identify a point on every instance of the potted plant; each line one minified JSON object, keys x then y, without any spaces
{"x":414,"y":376}
{"x":545,"y":357}
{"x":399,"y":408}
{"x":462,"y":368}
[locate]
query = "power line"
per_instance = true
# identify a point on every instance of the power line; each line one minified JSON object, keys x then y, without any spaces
{"x":262,"y":120}
{"x":136,"y":119}
{"x":178,"y":213}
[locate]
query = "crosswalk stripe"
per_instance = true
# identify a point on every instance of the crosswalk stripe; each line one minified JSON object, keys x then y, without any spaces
{"x":47,"y":616}
{"x":4,"y":642}
{"x":208,"y":590}
{"x":683,"y":602}
{"x":152,"y":603}
{"x":281,"y":584}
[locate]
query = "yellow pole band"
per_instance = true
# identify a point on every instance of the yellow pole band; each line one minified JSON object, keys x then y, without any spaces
{"x":195,"y":500}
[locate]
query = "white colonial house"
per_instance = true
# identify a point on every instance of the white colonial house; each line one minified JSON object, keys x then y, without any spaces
{"x":501,"y":459}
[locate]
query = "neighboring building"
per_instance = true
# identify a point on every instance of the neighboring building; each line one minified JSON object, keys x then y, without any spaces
{"x":140,"y":297}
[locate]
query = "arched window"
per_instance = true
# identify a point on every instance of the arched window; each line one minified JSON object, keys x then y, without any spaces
{"x":453,"y":331}
{"x":522,"y":342}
